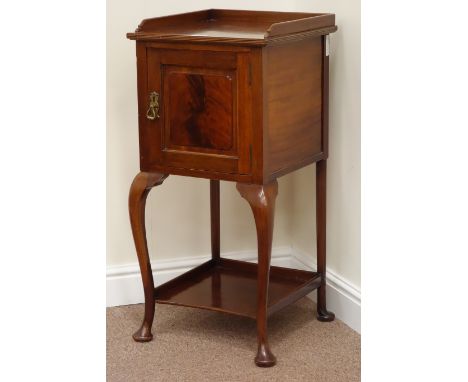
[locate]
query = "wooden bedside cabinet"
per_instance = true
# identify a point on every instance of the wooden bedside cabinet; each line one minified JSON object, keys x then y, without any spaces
{"x":238,"y":96}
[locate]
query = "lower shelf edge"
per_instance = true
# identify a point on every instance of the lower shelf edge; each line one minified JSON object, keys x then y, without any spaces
{"x":230,"y":286}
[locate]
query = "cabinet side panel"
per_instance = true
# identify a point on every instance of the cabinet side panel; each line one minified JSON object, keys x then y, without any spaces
{"x":293,"y":95}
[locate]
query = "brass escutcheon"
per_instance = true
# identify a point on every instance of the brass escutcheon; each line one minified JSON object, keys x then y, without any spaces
{"x":153,"y":111}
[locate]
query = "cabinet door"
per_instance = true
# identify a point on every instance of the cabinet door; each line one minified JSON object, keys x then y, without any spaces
{"x":204,"y":110}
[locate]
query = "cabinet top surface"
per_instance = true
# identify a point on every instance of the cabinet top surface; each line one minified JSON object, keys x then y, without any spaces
{"x":233,"y":26}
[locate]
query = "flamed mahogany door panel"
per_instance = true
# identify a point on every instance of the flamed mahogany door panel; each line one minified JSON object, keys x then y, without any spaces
{"x":200,"y":110}
{"x":201,"y":124}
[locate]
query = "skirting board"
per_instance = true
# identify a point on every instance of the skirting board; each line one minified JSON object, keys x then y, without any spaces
{"x":124,"y":285}
{"x":343,"y":298}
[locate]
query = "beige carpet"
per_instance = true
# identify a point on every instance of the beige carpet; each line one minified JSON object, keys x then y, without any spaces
{"x":198,"y":345}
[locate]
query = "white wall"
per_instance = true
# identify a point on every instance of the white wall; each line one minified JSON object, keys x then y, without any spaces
{"x":344,"y":163}
{"x":178,"y":211}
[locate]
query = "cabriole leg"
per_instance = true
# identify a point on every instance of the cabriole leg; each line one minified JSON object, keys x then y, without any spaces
{"x":139,"y":190}
{"x":262,"y":201}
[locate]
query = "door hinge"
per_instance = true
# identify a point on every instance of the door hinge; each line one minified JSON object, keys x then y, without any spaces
{"x":327,"y":45}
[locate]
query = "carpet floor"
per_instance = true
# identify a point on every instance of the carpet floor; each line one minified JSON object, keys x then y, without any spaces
{"x":199,"y":345}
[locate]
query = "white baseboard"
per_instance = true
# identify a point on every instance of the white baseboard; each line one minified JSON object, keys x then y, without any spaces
{"x":124,"y":285}
{"x":343,"y":298}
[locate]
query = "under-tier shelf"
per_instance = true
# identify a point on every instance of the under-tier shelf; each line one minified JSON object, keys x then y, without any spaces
{"x":230,"y":286}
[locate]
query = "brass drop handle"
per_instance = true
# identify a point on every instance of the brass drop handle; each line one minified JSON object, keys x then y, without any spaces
{"x":153,"y":110}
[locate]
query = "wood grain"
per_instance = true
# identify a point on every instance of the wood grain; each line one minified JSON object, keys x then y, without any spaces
{"x":292,"y":92}
{"x":243,"y":97}
{"x":139,"y":191}
{"x":325,"y":97}
{"x":200,"y":110}
{"x":204,"y":122}
{"x":234,"y":27}
{"x":230,"y":286}
{"x":262,"y":202}
{"x":271,"y":122}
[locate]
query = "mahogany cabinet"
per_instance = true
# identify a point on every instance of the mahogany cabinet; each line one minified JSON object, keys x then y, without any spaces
{"x":237,"y":96}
